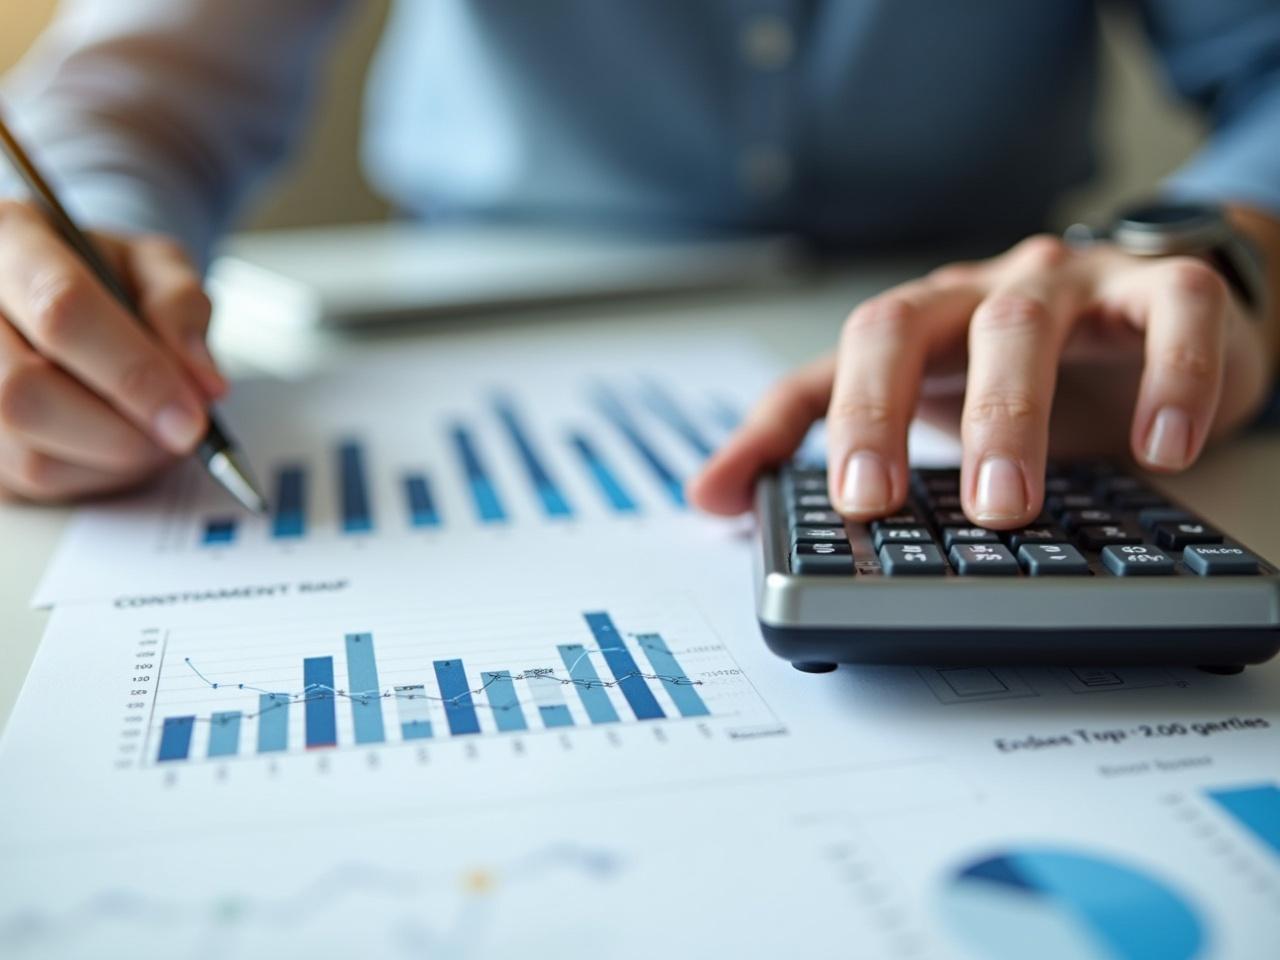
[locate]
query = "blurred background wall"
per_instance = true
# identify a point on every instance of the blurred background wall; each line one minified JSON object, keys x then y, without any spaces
{"x":1144,"y":133}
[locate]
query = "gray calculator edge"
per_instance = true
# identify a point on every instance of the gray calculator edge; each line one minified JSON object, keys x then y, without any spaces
{"x":1224,"y":622}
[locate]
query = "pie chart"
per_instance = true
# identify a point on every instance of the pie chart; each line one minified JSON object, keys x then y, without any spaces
{"x":1057,"y":904}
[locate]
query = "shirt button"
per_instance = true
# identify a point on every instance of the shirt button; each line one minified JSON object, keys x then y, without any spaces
{"x":765,"y":170}
{"x":767,"y":43}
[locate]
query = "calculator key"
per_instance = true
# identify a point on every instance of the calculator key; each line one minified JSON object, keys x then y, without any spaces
{"x":1150,"y":516}
{"x":818,"y":518}
{"x":951,"y":518}
{"x":1212,"y":560}
{"x":907,"y":518}
{"x":1138,"y":500}
{"x":811,"y":501}
{"x":1095,"y":538}
{"x":1108,"y":488}
{"x":1059,"y":485}
{"x":912,"y":560}
{"x":902,"y":535}
{"x":1052,"y":559}
{"x":1073,"y":520}
{"x":946,"y":501}
{"x":1175,"y":536}
{"x":1033,"y":535}
{"x":983,"y":559}
{"x":948,"y":483}
{"x":1137,"y":560}
{"x":821,"y":535}
{"x":953,"y":535}
{"x":807,"y":484}
{"x":1072,"y":501}
{"x":832,"y":558}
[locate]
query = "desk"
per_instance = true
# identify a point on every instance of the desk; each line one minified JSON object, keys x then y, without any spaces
{"x":795,"y":322}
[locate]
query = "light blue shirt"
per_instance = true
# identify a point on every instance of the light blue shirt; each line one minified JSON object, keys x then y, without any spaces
{"x":858,"y":122}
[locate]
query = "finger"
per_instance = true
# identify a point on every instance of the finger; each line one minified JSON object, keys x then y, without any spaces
{"x":37,"y":476}
{"x":1186,"y":310}
{"x":175,"y":306}
{"x":54,"y":301}
{"x":1015,"y":339}
{"x":50,"y":412}
{"x":882,"y":354}
{"x":769,"y":435}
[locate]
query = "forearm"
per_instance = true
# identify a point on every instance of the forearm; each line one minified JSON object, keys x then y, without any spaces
{"x":1264,"y":230}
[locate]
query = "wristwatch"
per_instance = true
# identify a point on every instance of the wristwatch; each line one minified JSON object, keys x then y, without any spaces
{"x":1163,"y":229}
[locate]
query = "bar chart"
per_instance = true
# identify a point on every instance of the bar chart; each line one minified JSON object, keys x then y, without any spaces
{"x":402,"y":683}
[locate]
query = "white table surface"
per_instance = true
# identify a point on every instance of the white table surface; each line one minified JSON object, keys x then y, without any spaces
{"x":1235,"y":485}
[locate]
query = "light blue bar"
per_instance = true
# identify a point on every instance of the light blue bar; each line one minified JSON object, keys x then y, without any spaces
{"x":273,"y":722}
{"x":614,"y":492}
{"x":219,"y":530}
{"x":548,"y":491}
{"x":1256,"y":808}
{"x":726,"y":414}
{"x":669,"y":411}
{"x":356,"y":515}
{"x":416,"y":730}
{"x":555,"y":715}
{"x":501,"y":691}
{"x":363,"y":689}
{"x":415,"y":712}
{"x":175,"y":739}
{"x":290,"y":516}
{"x":674,"y":680}
{"x":224,"y":734}
{"x":422,"y":505}
{"x":613,"y":410}
{"x":591,"y":690}
{"x":483,"y":493}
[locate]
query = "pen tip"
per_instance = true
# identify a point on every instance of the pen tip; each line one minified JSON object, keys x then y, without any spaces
{"x":234,"y":475}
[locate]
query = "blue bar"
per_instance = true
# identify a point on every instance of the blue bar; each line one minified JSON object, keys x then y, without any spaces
{"x":416,"y":730}
{"x":322,"y":720}
{"x":219,"y":530}
{"x":726,"y":414}
{"x":590,"y":687}
{"x":503,"y":701}
{"x":363,"y":689}
{"x":613,"y":491}
{"x":665,"y":406}
{"x":674,"y":680}
{"x":616,"y":414}
{"x":273,"y":722}
{"x":224,"y":734}
{"x":553,"y":501}
{"x":175,"y":738}
{"x":488,"y":506}
{"x":555,"y":715}
{"x":458,"y":708}
{"x":422,"y":505}
{"x":356,"y":517}
{"x":624,"y":667}
{"x":1256,"y":808}
{"x":290,"y":518}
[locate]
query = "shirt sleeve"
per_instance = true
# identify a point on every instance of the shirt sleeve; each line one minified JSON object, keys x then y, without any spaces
{"x":1224,"y":56}
{"x":161,"y":115}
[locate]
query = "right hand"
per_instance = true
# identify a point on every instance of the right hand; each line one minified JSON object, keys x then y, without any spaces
{"x":91,"y":401}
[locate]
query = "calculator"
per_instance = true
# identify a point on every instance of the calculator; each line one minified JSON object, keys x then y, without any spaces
{"x":1111,"y":572}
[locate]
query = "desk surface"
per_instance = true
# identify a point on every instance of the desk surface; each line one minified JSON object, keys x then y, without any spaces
{"x":1233,"y":486}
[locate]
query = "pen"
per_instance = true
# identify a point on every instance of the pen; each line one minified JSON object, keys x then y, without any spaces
{"x":217,"y":451}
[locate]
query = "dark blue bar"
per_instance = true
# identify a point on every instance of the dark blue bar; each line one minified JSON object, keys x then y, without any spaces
{"x":422,"y":505}
{"x":665,"y":406}
{"x":356,"y":516}
{"x":290,"y":519}
{"x":219,"y":530}
{"x":553,"y":501}
{"x":1256,"y":808}
{"x":224,"y":734}
{"x":555,"y":715}
{"x":613,"y":491}
{"x":459,"y":711}
{"x":616,"y":414}
{"x":674,"y":680}
{"x":322,"y":720}
{"x":175,"y":738}
{"x":502,"y":700}
{"x":273,"y":722}
{"x":595,"y":700}
{"x":363,"y":689}
{"x":483,"y":493}
{"x":624,"y":667}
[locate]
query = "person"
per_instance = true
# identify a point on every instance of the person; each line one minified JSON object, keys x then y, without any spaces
{"x":858,"y":125}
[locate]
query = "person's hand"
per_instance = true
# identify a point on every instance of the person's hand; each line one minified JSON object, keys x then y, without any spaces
{"x":90,"y":400}
{"x":1116,"y":351}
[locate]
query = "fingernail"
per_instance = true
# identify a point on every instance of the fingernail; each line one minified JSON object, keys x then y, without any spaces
{"x":178,"y":428}
{"x":1002,"y":490}
{"x":1169,"y":438}
{"x":866,"y":488}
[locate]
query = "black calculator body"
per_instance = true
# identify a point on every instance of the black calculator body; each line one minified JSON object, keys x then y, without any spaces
{"x":1112,"y":572}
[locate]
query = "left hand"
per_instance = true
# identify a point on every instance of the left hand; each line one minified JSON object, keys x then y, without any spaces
{"x":1048,"y":349}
